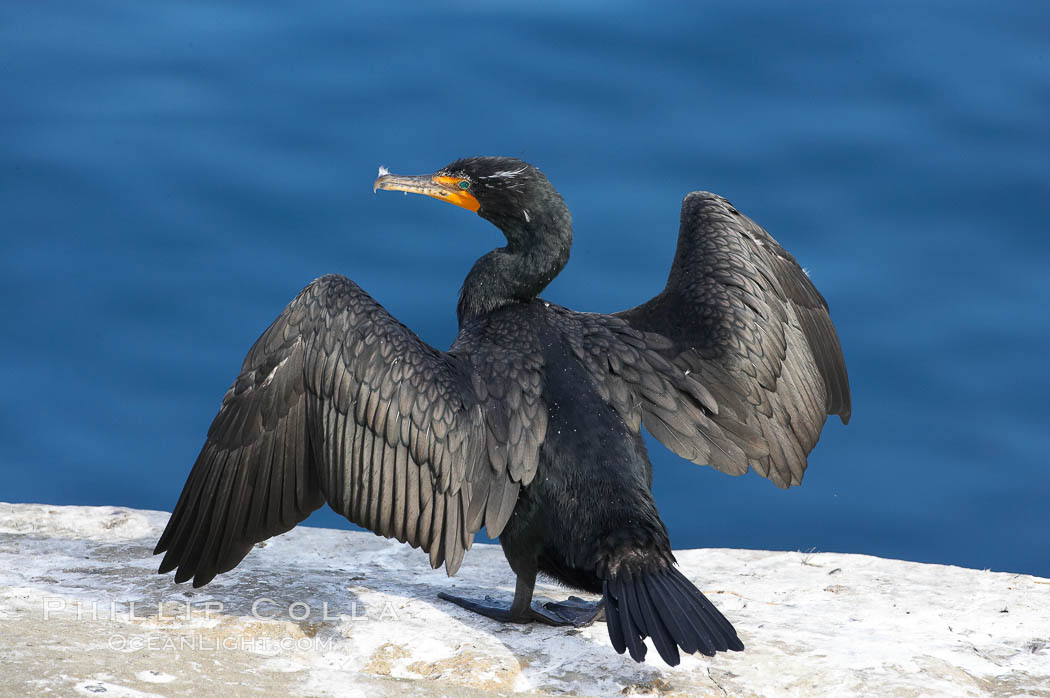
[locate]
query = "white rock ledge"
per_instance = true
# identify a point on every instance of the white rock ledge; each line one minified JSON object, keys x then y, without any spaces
{"x":82,"y":611}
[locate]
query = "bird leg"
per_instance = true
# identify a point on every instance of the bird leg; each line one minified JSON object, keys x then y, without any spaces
{"x":575,"y":611}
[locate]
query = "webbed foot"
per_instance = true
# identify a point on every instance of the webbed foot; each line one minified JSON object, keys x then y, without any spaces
{"x":508,"y":614}
{"x":576,"y":611}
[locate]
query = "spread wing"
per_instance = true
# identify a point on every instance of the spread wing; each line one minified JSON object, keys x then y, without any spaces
{"x":736,"y":362}
{"x":339,"y":402}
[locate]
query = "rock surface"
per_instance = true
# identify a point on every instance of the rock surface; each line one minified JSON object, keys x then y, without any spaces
{"x":324,"y":612}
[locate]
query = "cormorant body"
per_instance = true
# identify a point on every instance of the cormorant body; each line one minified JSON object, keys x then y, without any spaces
{"x":593,"y":477}
{"x":530,"y":424}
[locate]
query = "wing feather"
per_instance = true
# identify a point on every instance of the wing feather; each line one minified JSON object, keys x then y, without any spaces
{"x":736,"y":363}
{"x":339,"y":402}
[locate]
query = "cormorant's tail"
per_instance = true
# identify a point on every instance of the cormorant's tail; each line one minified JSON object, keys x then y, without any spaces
{"x":665,"y":606}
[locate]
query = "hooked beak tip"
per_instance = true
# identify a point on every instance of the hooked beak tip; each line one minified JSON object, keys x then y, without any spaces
{"x":383,"y":172}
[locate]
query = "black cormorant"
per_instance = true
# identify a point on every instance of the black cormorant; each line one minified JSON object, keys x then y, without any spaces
{"x":529,"y":425}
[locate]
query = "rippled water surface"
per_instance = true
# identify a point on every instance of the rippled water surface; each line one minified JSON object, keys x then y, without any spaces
{"x":171,"y":174}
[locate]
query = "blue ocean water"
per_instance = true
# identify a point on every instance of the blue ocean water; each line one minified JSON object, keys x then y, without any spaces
{"x":171,"y":174}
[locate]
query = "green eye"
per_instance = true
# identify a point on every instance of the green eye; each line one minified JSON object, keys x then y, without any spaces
{"x":464,"y":184}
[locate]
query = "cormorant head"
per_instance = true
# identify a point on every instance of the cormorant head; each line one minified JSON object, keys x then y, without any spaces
{"x":510,"y":193}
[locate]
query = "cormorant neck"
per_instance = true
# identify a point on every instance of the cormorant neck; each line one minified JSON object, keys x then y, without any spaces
{"x":537,"y":249}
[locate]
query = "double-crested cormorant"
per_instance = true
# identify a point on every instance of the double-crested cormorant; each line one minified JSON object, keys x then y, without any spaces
{"x":530,"y":423}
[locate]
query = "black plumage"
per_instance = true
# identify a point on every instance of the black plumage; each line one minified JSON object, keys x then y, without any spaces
{"x":529,"y":425}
